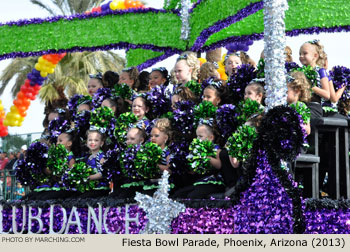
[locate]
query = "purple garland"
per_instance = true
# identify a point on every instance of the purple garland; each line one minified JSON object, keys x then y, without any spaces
{"x":243,"y":13}
{"x":151,"y":62}
{"x":265,"y":207}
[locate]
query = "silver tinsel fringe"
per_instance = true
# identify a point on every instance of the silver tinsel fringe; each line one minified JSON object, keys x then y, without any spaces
{"x":275,"y":43}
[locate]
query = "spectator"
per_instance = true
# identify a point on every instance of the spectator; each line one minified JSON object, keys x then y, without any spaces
{"x":19,"y":191}
{"x":23,"y":152}
{"x":4,"y":160}
{"x":11,"y":160}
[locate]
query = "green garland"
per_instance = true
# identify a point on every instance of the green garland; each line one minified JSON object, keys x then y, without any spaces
{"x":239,"y":145}
{"x":122,"y":90}
{"x":310,"y":74}
{"x":58,"y":159}
{"x":208,"y":13}
{"x":302,"y":110}
{"x":135,"y":57}
{"x":147,"y":159}
{"x":295,"y":18}
{"x":195,"y":87}
{"x":205,"y":109}
{"x":122,"y":124}
{"x":247,"y":108}
{"x":78,"y":177}
{"x":199,"y":160}
{"x":112,"y":29}
{"x":101,"y":117}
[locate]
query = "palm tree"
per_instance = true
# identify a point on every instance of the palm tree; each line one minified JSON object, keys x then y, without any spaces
{"x":71,"y":74}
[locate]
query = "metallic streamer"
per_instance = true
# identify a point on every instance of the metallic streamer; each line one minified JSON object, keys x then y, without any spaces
{"x":275,"y":42}
{"x":160,"y":209}
{"x":185,"y":19}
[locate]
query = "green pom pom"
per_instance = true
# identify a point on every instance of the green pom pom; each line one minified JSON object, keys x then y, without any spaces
{"x":101,"y":117}
{"x":261,"y":69}
{"x":199,"y":160}
{"x":310,"y":73}
{"x":302,"y":110}
{"x":122,"y":90}
{"x":78,"y":177}
{"x":205,"y":109}
{"x":247,"y":108}
{"x":241,"y":142}
{"x":147,"y":159}
{"x":58,"y":159}
{"x":195,"y":87}
{"x":168,"y":115}
{"x":123,"y":122}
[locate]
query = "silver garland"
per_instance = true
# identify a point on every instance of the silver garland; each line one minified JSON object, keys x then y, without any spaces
{"x":275,"y":43}
{"x":160,"y":210}
{"x":185,"y":19}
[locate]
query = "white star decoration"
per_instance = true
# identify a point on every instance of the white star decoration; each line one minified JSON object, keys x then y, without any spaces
{"x":160,"y":210}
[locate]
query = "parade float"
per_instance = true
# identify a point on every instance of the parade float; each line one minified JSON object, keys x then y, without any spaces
{"x":267,"y":200}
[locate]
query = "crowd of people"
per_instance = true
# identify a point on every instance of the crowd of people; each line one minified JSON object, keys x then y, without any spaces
{"x":132,"y":126}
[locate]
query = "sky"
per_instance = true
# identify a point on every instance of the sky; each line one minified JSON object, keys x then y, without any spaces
{"x":336,"y":46}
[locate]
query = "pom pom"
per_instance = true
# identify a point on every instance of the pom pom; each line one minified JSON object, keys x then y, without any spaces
{"x":127,"y":162}
{"x":290,"y":66}
{"x":58,"y":159}
{"x":111,"y":167}
{"x":100,"y":96}
{"x":73,"y":104}
{"x":260,"y":72}
{"x":239,"y":80}
{"x":178,"y":162}
{"x":205,"y":109}
{"x":56,"y":127}
{"x":310,"y":73}
{"x":341,"y":77}
{"x":147,"y":159}
{"x":82,"y":122}
{"x":23,"y":174}
{"x":184,"y":117}
{"x":281,"y":134}
{"x":123,"y":90}
{"x":199,"y":160}
{"x":36,"y":162}
{"x":76,"y":178}
{"x":159,"y":101}
{"x":239,"y":145}
{"x":246,"y":109}
{"x":303,"y":111}
{"x":195,"y":87}
{"x":101,"y":117}
{"x":226,"y":119}
{"x":123,"y":122}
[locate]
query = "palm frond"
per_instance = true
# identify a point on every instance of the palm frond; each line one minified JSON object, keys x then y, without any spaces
{"x":40,"y":4}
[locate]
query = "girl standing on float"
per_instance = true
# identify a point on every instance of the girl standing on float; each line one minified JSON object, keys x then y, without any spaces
{"x":312,"y":54}
{"x":95,"y":142}
{"x":94,"y":83}
{"x":186,"y":69}
{"x":235,"y":59}
{"x":158,"y":76}
{"x":207,"y":184}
